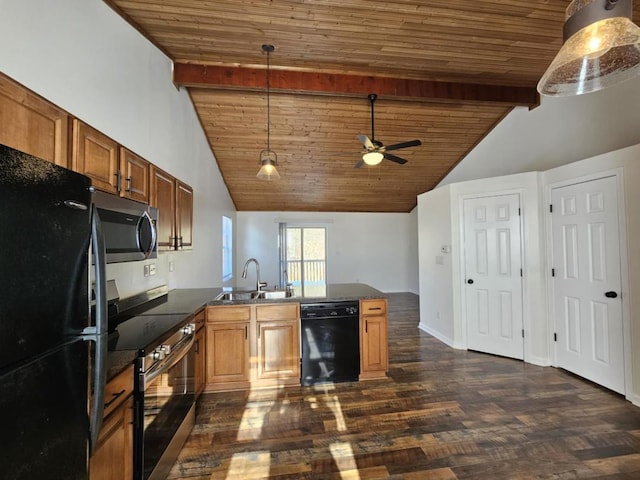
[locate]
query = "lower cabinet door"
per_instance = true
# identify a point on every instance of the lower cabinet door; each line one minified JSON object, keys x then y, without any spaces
{"x":113,"y":458}
{"x":373,"y":352}
{"x":228,"y":352}
{"x":200,"y":361}
{"x":278,"y":350}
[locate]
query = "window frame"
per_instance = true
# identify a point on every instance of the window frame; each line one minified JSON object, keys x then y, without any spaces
{"x":227,"y":248}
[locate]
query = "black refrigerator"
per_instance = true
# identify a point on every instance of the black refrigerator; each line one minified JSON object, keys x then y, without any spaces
{"x":52,"y":353}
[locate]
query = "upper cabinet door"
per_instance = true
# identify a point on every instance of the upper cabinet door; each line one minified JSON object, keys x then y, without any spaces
{"x":96,"y":156}
{"x":184,"y":216}
{"x":31,"y":124}
{"x":135,"y":176}
{"x":163,"y":197}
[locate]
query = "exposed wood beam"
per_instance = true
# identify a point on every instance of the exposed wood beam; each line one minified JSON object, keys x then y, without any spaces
{"x":245,"y":78}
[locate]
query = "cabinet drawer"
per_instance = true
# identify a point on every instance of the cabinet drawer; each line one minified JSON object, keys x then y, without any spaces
{"x":118,"y":389}
{"x":280,"y":311}
{"x":229,"y":313}
{"x":373,"y":307}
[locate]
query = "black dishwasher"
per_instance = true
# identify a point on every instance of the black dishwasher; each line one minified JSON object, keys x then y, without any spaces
{"x":330,"y":342}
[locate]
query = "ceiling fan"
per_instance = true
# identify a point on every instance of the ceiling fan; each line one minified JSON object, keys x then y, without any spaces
{"x":375,"y":150}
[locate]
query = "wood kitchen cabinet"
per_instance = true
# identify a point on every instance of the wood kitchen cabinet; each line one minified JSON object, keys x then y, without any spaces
{"x":174,"y":201}
{"x":200,"y":358}
{"x":31,"y":124}
{"x":113,"y":456}
{"x":135,"y":173}
{"x":254,"y":345}
{"x":278,"y":354}
{"x":96,"y":156}
{"x":184,"y":216}
{"x":163,"y":197}
{"x":374,"y":354}
{"x":112,"y":168}
{"x":228,"y":349}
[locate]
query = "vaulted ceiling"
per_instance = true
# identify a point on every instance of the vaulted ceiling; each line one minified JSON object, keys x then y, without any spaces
{"x":445,"y":72}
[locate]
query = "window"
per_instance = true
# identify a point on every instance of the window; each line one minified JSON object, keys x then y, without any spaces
{"x":227,"y":248}
{"x":303,"y":255}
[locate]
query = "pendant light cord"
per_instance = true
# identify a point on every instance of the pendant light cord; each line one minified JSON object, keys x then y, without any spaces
{"x":268,"y":50}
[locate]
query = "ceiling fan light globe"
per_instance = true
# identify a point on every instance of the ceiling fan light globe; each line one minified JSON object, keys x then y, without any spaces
{"x":600,"y":55}
{"x":372,"y":158}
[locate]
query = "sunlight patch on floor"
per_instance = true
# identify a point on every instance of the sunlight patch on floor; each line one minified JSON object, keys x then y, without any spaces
{"x":334,"y":405}
{"x":343,"y":457}
{"x":259,"y":404}
{"x":248,"y":465}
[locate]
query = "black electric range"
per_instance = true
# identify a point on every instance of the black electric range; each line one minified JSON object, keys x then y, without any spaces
{"x":131,"y":328}
{"x":164,"y":387}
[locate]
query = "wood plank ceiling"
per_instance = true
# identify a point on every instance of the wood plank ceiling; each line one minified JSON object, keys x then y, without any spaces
{"x":446,"y":72}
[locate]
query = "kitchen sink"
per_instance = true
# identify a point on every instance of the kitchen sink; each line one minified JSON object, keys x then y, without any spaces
{"x":238,"y":295}
{"x":252,"y":294}
{"x":271,"y":294}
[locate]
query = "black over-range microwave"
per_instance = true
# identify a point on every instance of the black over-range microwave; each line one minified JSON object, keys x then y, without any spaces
{"x":129,"y":228}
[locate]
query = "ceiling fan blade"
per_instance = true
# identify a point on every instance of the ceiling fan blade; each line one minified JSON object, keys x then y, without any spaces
{"x":368,"y":144}
{"x":359,"y":164}
{"x":393,"y":158}
{"x":410,"y":143}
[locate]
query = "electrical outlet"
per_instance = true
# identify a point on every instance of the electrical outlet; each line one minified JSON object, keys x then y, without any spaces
{"x":152,"y":269}
{"x":146,"y":270}
{"x":171,"y":266}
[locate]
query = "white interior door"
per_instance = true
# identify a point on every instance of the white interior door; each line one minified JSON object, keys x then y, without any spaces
{"x":493,"y":275}
{"x":587,"y":281}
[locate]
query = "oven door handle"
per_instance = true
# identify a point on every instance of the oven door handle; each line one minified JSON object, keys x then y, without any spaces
{"x":179,"y":350}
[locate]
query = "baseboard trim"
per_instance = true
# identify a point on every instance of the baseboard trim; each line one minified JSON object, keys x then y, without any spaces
{"x":434,"y":333}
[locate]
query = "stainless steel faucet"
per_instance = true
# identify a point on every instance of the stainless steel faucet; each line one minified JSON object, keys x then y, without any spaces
{"x":259,"y":284}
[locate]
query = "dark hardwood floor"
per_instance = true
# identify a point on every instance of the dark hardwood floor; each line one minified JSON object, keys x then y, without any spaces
{"x":441,"y":414}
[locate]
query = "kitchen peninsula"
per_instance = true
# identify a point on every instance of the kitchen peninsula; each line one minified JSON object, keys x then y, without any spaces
{"x":227,"y":345}
{"x":252,"y":328}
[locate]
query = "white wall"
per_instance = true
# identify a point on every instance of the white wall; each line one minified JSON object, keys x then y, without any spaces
{"x":413,"y":269}
{"x":84,"y":58}
{"x":373,"y":248}
{"x":558,"y":132}
{"x":436,"y":279}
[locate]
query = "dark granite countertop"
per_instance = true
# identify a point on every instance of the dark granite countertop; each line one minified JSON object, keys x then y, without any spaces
{"x":118,"y":361}
{"x":185,"y":301}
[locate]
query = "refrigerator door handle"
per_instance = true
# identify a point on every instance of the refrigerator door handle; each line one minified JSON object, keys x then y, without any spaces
{"x":99,"y":332}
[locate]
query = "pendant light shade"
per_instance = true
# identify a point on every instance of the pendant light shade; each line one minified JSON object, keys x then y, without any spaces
{"x":268,"y":163}
{"x":602,"y":48}
{"x":268,"y":159}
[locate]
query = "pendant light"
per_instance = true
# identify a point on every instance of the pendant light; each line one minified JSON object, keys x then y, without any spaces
{"x":601,"y":48}
{"x":268,"y":159}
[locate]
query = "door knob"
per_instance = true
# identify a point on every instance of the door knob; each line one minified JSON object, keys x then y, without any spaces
{"x":470,"y":281}
{"x":611,"y":294}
